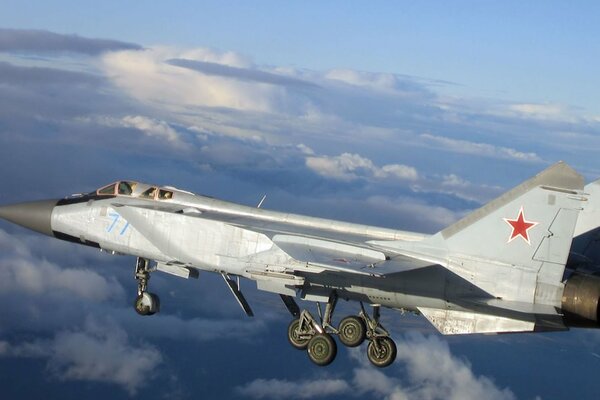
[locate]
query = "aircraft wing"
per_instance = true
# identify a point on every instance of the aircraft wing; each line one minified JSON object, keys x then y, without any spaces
{"x":344,"y":257}
{"x":330,"y":247}
{"x":337,"y":231}
{"x":313,"y":247}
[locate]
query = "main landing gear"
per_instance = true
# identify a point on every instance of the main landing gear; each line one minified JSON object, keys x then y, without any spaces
{"x":146,"y":303}
{"x":306,"y":333}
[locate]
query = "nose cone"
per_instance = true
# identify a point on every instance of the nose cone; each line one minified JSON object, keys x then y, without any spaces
{"x":34,"y":215}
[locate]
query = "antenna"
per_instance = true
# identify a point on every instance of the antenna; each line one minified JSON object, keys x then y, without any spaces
{"x":261,"y":201}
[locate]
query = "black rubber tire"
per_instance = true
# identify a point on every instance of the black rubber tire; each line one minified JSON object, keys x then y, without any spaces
{"x":156,"y":301}
{"x":293,"y":338}
{"x":352,"y":331}
{"x":385,"y":356}
{"x":139,"y":308}
{"x":322,"y":349}
{"x":145,"y":310}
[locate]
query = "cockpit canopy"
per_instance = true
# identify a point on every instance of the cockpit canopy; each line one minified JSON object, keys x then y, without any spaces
{"x":135,"y":189}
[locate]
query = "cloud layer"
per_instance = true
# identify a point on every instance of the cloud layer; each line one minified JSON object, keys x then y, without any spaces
{"x":40,"y":41}
{"x":377,"y":148}
{"x":425,"y":370}
{"x":100,"y":352}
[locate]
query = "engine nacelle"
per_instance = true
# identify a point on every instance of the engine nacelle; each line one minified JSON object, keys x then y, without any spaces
{"x":580,"y":300}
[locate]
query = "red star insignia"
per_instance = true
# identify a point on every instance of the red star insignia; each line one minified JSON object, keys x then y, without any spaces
{"x":520,"y":227}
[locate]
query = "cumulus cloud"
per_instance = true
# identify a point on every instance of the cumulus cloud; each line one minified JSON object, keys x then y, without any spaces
{"x":40,"y":41}
{"x":434,"y":373}
{"x":53,"y":303}
{"x":425,"y":369}
{"x":148,"y":77}
{"x":225,"y":96}
{"x":150,"y":127}
{"x":546,"y":112}
{"x":479,"y":149}
{"x":101,"y":352}
{"x":22,"y":272}
{"x":347,"y":167}
{"x":282,"y":388}
{"x":304,"y":149}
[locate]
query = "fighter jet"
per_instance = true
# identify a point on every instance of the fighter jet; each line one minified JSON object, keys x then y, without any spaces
{"x":499,"y":269}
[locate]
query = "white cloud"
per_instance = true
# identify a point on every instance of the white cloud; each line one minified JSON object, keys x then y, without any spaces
{"x":543,"y":112}
{"x":152,"y":128}
{"x":479,"y":149}
{"x":22,"y":272}
{"x":304,"y":149}
{"x":459,"y":187}
{"x":425,"y":369}
{"x":146,"y":76}
{"x":381,"y":81}
{"x":101,"y":352}
{"x":453,"y":180}
{"x":432,"y":372}
{"x":396,"y":171}
{"x":198,"y":329}
{"x":281,"y":388}
{"x":347,"y":167}
{"x":429,"y":217}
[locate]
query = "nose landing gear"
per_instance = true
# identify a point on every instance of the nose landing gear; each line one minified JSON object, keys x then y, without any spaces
{"x":146,"y":303}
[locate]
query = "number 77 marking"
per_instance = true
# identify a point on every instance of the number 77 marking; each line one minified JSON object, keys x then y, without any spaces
{"x":116,"y":217}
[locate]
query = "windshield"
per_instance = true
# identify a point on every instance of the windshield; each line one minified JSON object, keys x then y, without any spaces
{"x":107,"y":190}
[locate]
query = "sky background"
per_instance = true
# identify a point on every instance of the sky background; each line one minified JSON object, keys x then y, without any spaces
{"x":399,"y":114}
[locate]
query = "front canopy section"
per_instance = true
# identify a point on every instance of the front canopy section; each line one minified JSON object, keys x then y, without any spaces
{"x":135,"y":189}
{"x":121,"y":188}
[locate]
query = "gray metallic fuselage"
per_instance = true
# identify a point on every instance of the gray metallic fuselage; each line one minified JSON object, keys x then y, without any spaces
{"x":471,"y":277}
{"x":183,"y":233}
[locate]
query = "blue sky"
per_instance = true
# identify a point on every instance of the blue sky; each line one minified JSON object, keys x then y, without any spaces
{"x":400,"y":114}
{"x":535,"y":51}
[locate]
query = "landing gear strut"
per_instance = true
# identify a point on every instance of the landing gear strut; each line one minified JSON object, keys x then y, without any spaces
{"x":306,"y":333}
{"x":146,"y":303}
{"x":381,"y":350}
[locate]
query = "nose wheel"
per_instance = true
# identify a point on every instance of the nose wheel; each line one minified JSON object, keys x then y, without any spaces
{"x":146,"y":303}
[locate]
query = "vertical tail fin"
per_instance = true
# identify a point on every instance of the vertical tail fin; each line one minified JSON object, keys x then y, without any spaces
{"x":516,"y":246}
{"x":531,"y":223}
{"x":510,"y":255}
